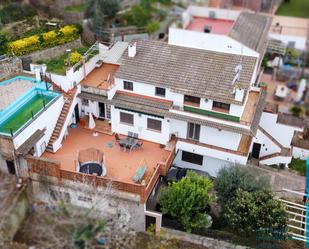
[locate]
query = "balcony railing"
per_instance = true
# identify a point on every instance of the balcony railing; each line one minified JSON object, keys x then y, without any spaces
{"x":211,"y":113}
{"x":93,"y":90}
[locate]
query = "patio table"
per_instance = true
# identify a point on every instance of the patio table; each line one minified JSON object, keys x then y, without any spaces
{"x":130,"y":142}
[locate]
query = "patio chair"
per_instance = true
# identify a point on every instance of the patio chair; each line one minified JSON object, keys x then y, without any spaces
{"x":118,"y":141}
{"x":139,"y":174}
{"x":139,"y":145}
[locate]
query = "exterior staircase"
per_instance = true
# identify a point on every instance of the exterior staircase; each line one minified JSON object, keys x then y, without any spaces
{"x":285,"y":152}
{"x":68,"y":99}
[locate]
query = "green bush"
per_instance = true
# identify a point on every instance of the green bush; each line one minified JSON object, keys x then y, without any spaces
{"x":298,"y":165}
{"x":249,"y":211}
{"x":297,"y":111}
{"x":230,"y":179}
{"x":44,"y":40}
{"x":3,"y":42}
{"x":16,"y":12}
{"x":187,"y":199}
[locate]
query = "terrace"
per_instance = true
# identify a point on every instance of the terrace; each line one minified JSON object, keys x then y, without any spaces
{"x":100,"y":77}
{"x":120,"y":165}
{"x":216,"y":26}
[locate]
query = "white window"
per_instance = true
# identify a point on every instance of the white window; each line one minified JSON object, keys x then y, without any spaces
{"x":126,"y":118}
{"x":154,"y":124}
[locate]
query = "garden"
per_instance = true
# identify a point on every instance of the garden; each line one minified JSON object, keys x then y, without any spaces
{"x":59,"y":64}
{"x":296,"y":8}
{"x":234,"y":207}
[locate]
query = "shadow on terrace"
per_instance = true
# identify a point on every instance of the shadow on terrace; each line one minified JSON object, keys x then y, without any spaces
{"x":120,"y":165}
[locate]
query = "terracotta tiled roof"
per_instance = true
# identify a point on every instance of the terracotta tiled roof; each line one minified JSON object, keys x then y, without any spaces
{"x":251,"y":30}
{"x":159,"y":108}
{"x":191,"y":71}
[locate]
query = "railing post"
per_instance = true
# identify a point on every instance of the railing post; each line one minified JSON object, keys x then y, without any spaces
{"x":32,"y":114}
{"x":11,"y":131}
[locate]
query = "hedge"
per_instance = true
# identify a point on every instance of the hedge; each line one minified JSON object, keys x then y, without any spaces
{"x":44,"y":40}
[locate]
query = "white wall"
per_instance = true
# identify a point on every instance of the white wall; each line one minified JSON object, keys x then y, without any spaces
{"x":300,"y":41}
{"x":68,"y":121}
{"x":208,"y":41}
{"x":282,"y":133}
{"x":300,"y":153}
{"x":230,"y":157}
{"x":210,"y":165}
{"x":277,"y":160}
{"x":267,"y":146}
{"x":208,"y":135}
{"x":237,"y":110}
{"x":47,"y":119}
{"x":224,"y":139}
{"x":140,"y":127}
{"x":93,"y":107}
{"x":149,"y":90}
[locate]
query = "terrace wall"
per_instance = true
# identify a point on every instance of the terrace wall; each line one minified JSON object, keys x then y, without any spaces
{"x":50,"y":168}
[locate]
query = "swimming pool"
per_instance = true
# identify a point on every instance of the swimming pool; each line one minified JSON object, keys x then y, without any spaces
{"x":24,"y":109}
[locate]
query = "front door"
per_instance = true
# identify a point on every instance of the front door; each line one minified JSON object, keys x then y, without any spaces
{"x":11,"y":167}
{"x":256,"y":150}
{"x":76,"y":111}
{"x":102,"y":110}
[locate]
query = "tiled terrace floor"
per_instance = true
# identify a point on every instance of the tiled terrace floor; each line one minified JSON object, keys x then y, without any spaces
{"x":120,"y":165}
{"x":284,"y":105}
{"x":218,"y":26}
{"x":98,"y":77}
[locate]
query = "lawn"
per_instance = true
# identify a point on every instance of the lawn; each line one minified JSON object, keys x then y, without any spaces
{"x":57,"y":65}
{"x":23,"y":115}
{"x":298,"y":165}
{"x":296,"y":8}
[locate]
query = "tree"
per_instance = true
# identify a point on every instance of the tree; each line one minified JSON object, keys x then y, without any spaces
{"x":138,"y":16}
{"x":230,"y":179}
{"x":249,"y":211}
{"x":98,"y":10}
{"x":153,"y":27}
{"x":3,"y":42}
{"x":297,"y":111}
{"x":187,"y":199}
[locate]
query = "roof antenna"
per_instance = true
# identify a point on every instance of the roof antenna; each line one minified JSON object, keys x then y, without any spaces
{"x":238,"y":69}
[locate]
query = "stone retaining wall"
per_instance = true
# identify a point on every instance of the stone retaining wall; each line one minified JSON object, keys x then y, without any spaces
{"x":200,"y":240}
{"x":10,"y":66}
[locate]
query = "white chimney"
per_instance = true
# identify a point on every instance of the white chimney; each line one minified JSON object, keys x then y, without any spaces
{"x":132,"y":50}
{"x":239,"y":94}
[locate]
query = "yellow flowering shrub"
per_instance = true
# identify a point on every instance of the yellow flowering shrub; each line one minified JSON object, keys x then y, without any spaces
{"x":75,"y":57}
{"x":69,"y":30}
{"x":49,"y":39}
{"x":50,"y":36}
{"x":25,"y":45}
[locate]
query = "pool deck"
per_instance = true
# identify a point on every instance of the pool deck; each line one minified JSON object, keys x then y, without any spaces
{"x":120,"y":165}
{"x":12,"y":91}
